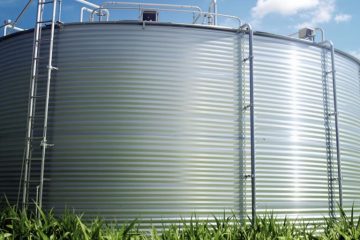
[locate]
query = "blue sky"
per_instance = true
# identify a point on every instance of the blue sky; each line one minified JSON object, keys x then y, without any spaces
{"x":339,"y":18}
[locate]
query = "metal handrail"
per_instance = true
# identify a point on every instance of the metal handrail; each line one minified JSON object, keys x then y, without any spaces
{"x":139,"y":6}
{"x":10,"y":25}
{"x":215,"y":15}
{"x":89,"y":10}
{"x":196,"y":8}
{"x":196,"y":11}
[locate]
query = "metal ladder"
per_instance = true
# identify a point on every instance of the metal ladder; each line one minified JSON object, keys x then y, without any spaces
{"x":328,"y":47}
{"x":34,"y":135}
{"x":247,"y":29}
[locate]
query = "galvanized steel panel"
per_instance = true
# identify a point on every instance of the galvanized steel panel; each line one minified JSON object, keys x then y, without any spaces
{"x":145,"y":122}
{"x":291,"y":163}
{"x":348,"y":90}
{"x":15,"y":62}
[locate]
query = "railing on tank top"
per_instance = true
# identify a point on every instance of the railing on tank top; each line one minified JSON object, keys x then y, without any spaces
{"x":101,"y":13}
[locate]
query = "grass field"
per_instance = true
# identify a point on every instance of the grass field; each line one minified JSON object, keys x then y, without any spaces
{"x":16,"y":224}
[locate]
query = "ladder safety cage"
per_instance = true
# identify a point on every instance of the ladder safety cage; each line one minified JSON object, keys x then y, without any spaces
{"x":33,"y":135}
{"x":246,"y":28}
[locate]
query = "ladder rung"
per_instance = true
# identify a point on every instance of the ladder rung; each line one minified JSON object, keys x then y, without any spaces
{"x":46,"y":21}
{"x":36,"y":116}
{"x":46,"y":2}
{"x":42,"y":40}
{"x":35,"y":138}
{"x":38,"y":180}
{"x":42,"y":75}
{"x":41,"y":96}
{"x":40,"y":58}
{"x":36,"y":159}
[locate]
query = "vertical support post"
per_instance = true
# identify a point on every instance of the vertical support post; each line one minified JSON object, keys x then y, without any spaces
{"x":249,"y":29}
{"x":252,"y":129}
{"x":212,"y":12}
{"x":333,"y":71}
{"x":50,"y":68}
{"x":215,"y":12}
{"x":37,"y":200}
{"x":60,"y":11}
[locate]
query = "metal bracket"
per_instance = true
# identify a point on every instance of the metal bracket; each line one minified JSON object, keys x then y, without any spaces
{"x":60,"y":25}
{"x":45,"y":144}
{"x":246,"y":107}
{"x":52,"y":68}
{"x":328,"y":72}
{"x":248,"y":58}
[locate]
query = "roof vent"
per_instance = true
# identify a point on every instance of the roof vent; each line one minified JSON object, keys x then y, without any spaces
{"x":150,"y":15}
{"x":307,"y":33}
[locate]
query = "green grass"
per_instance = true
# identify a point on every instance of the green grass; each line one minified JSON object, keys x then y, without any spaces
{"x":15,"y":224}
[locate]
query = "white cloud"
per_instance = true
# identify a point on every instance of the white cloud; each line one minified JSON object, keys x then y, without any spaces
{"x":323,"y":13}
{"x":285,"y":8}
{"x":342,"y":18}
{"x":308,"y":13}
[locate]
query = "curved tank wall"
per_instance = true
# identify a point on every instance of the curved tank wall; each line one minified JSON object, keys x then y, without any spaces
{"x":149,"y":123}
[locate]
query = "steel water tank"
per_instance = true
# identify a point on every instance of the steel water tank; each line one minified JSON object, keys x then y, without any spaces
{"x":151,"y":122}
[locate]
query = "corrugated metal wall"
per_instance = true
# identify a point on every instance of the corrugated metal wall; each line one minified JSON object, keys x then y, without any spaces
{"x":14,"y":84}
{"x":145,"y":122}
{"x":348,"y":89}
{"x":149,"y":123}
{"x":291,"y":166}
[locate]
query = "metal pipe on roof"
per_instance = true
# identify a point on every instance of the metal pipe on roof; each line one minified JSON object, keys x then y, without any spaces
{"x":93,"y":5}
{"x":10,"y":25}
{"x":322,"y":33}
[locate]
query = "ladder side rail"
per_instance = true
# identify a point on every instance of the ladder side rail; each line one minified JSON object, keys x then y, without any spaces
{"x":48,"y":84}
{"x":31,"y":103}
{"x":328,"y":130}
